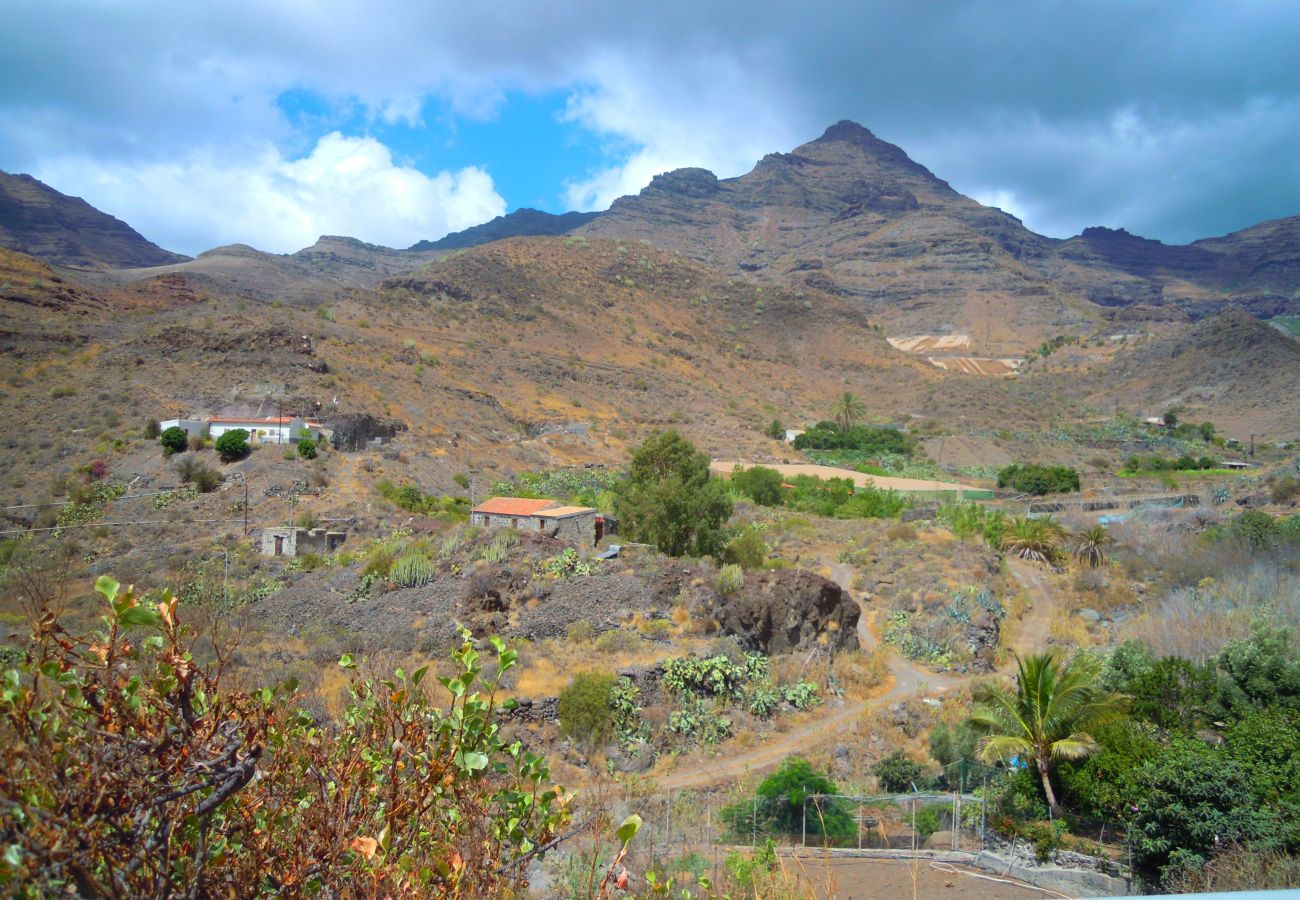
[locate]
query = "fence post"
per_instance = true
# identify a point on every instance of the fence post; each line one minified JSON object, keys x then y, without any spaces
{"x":914,"y":823}
{"x":803,"y":841}
{"x":753,"y":825}
{"x":984,"y":814}
{"x":956,"y":821}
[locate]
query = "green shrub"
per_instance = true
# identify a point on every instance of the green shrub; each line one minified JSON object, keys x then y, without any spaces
{"x":233,"y":444}
{"x":152,"y":430}
{"x":173,"y":440}
{"x":196,"y":472}
{"x":897,"y":772}
{"x":585,"y":711}
{"x":412,"y":569}
{"x":747,"y":549}
{"x":758,"y":483}
{"x":1038,"y":480}
{"x":863,"y":438}
{"x":307,"y":448}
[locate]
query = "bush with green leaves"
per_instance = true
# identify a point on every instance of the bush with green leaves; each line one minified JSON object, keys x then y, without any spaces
{"x":569,"y":565}
{"x":863,"y":438}
{"x":586,"y":710}
{"x":783,"y":798}
{"x":1034,"y":479}
{"x":193,"y":470}
{"x":758,"y":483}
{"x":748,"y":549}
{"x":217,"y":791}
{"x":173,"y":440}
{"x":233,"y":444}
{"x":307,"y":448}
{"x":669,"y":498}
{"x":898,"y":772}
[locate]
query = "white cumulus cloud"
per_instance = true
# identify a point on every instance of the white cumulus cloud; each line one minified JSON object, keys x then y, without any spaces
{"x":347,"y":185}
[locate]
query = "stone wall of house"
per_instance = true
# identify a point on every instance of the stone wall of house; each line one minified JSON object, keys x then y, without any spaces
{"x":580,"y":529}
{"x":296,"y":541}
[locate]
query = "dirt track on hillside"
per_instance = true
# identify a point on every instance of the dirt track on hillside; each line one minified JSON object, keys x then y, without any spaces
{"x":907,"y":681}
{"x":859,"y":479}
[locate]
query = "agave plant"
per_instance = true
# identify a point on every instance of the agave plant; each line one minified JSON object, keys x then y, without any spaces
{"x":1034,"y":539}
{"x":1090,"y":546}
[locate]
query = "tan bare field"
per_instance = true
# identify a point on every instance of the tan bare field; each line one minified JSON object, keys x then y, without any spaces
{"x":922,"y":343}
{"x":860,"y":479}
{"x":975,"y":365}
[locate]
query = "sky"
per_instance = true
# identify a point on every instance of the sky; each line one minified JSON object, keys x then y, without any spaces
{"x":211,"y":122}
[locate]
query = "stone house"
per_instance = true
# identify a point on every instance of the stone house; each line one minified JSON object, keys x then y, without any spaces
{"x":292,"y":542}
{"x":580,"y":524}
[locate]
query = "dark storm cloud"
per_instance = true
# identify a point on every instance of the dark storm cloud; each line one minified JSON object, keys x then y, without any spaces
{"x":1176,"y":120}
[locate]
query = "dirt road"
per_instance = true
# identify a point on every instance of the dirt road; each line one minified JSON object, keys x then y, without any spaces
{"x":908,"y":681}
{"x":859,"y":479}
{"x":1035,"y":627}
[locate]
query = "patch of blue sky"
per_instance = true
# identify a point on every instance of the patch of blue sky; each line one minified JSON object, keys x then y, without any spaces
{"x":527,"y":147}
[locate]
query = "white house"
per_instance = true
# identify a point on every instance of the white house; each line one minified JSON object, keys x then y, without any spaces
{"x":191,"y":427}
{"x":270,"y":430}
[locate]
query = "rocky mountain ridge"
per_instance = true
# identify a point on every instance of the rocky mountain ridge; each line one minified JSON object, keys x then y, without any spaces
{"x":37,"y":220}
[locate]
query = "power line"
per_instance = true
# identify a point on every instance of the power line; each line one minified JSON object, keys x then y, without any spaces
{"x":123,"y":497}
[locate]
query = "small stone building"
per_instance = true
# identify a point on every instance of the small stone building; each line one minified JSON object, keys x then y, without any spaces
{"x":292,"y":542}
{"x":579,"y":524}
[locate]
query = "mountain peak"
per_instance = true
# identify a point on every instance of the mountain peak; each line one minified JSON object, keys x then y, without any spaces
{"x":848,"y":132}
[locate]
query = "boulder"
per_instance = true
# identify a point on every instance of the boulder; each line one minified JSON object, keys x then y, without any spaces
{"x":355,"y":431}
{"x":788,"y":610}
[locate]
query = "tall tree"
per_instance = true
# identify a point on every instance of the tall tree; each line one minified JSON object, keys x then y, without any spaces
{"x":847,"y":409}
{"x":669,"y":499}
{"x":1048,"y":717}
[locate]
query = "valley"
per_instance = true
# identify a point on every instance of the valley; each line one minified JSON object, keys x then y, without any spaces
{"x":812,"y":408}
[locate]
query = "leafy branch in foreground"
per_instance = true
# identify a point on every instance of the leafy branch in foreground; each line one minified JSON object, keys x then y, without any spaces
{"x":133,"y":771}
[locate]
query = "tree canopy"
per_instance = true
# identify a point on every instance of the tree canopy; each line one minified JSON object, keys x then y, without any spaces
{"x":669,"y":498}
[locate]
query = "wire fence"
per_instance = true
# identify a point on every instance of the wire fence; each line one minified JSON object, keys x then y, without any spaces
{"x":695,"y":832}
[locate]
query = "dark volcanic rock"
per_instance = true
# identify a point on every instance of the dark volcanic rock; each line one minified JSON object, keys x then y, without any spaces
{"x":37,"y":220}
{"x":354,"y":431}
{"x":786,"y":610}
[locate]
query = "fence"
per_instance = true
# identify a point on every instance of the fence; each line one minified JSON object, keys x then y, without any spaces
{"x":688,"y":834}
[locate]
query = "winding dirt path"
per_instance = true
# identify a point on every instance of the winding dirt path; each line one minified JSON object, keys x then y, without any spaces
{"x":1035,"y":626}
{"x":907,"y":680}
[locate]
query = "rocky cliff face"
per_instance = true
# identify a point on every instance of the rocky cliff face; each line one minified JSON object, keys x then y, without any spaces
{"x":851,"y":214}
{"x":37,"y":220}
{"x":787,"y":610}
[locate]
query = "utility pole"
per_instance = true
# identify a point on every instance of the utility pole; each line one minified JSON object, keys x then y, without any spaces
{"x":245,"y":506}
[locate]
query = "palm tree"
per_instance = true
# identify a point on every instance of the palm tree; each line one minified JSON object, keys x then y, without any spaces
{"x":1035,"y":539}
{"x":847,"y":409}
{"x":1090,"y":546}
{"x":1048,"y":717}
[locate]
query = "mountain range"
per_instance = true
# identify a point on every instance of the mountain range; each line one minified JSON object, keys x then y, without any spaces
{"x":713,"y":305}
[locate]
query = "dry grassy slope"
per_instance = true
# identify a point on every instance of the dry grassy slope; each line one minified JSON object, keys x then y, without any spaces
{"x":1230,"y":368}
{"x":309,"y":276}
{"x":521,"y":354}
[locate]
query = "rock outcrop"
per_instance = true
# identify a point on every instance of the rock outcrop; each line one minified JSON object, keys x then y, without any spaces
{"x":788,"y":610}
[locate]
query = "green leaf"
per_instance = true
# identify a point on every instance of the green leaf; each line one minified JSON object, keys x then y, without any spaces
{"x":345,"y":661}
{"x":107,"y":586}
{"x":473,"y":761}
{"x":140,"y":615}
{"x":631,"y":825}
{"x":418,"y":675}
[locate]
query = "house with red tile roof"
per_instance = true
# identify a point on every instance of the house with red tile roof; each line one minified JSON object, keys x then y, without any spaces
{"x":582,"y":525}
